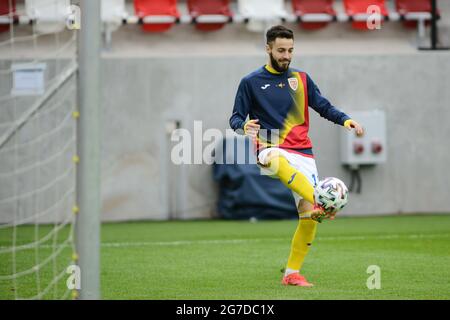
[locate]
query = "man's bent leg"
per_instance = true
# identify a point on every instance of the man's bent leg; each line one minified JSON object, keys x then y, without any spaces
{"x":291,"y":178}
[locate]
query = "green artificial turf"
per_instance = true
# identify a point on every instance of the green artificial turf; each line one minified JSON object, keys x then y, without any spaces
{"x":242,"y":260}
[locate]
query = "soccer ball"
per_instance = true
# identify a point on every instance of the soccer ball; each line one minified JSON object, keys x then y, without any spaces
{"x":331,"y":194}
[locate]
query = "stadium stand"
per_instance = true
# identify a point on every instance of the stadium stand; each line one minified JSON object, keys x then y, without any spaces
{"x":113,"y":13}
{"x":407,"y":6}
{"x":50,"y":16}
{"x":209,"y":15}
{"x":5,"y":10}
{"x":357,"y":11}
{"x":414,"y":12}
{"x":260,"y":13}
{"x":157,"y":15}
{"x":314,"y":14}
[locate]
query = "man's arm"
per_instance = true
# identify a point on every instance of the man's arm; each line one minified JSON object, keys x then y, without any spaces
{"x":241,"y":107}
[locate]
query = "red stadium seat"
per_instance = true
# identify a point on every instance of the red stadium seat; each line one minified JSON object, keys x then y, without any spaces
{"x":211,"y":11}
{"x":314,"y":14}
{"x":5,"y":10}
{"x":405,"y":6}
{"x":157,"y":15}
{"x":359,"y":7}
{"x":411,"y":9}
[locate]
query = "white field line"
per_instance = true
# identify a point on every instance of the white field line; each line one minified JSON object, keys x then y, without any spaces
{"x":243,"y":241}
{"x":240,"y":241}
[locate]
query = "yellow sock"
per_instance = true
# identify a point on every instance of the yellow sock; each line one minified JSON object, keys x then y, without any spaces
{"x":301,"y":242}
{"x":292,"y":178}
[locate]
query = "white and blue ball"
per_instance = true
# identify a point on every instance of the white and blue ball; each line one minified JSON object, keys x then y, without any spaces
{"x":331,"y":194}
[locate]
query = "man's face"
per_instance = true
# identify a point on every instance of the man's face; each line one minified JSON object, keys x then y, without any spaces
{"x":280,"y":52}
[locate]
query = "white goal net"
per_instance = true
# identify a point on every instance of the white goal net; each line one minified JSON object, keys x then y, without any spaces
{"x":38,"y":118}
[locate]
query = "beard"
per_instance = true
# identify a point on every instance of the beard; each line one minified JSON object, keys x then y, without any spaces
{"x":277,"y":66}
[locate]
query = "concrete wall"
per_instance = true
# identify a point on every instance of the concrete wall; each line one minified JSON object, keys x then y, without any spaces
{"x":187,"y":75}
{"x":140,"y":95}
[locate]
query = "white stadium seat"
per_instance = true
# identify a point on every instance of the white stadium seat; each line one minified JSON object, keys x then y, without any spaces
{"x":261,"y":13}
{"x":113,"y":13}
{"x":49,"y":15}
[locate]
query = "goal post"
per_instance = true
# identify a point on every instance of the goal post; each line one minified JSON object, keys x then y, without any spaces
{"x":88,"y":148}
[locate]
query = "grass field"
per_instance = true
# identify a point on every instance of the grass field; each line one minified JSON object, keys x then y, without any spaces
{"x":242,"y":260}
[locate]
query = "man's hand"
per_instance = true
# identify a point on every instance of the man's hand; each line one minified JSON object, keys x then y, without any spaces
{"x":251,"y":128}
{"x":351,"y":124}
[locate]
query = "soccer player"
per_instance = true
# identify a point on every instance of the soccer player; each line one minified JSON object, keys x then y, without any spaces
{"x":276,"y":98}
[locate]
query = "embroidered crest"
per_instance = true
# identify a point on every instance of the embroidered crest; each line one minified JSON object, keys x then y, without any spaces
{"x":293,"y":83}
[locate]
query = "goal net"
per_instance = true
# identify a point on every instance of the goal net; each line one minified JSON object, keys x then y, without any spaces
{"x":38,"y":115}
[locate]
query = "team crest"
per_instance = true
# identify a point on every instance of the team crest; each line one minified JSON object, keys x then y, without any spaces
{"x":293,"y":83}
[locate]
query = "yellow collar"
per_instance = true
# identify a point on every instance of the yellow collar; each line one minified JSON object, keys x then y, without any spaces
{"x":272,"y":70}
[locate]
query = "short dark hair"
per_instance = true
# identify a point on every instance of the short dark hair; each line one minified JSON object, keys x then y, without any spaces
{"x":278,"y":32}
